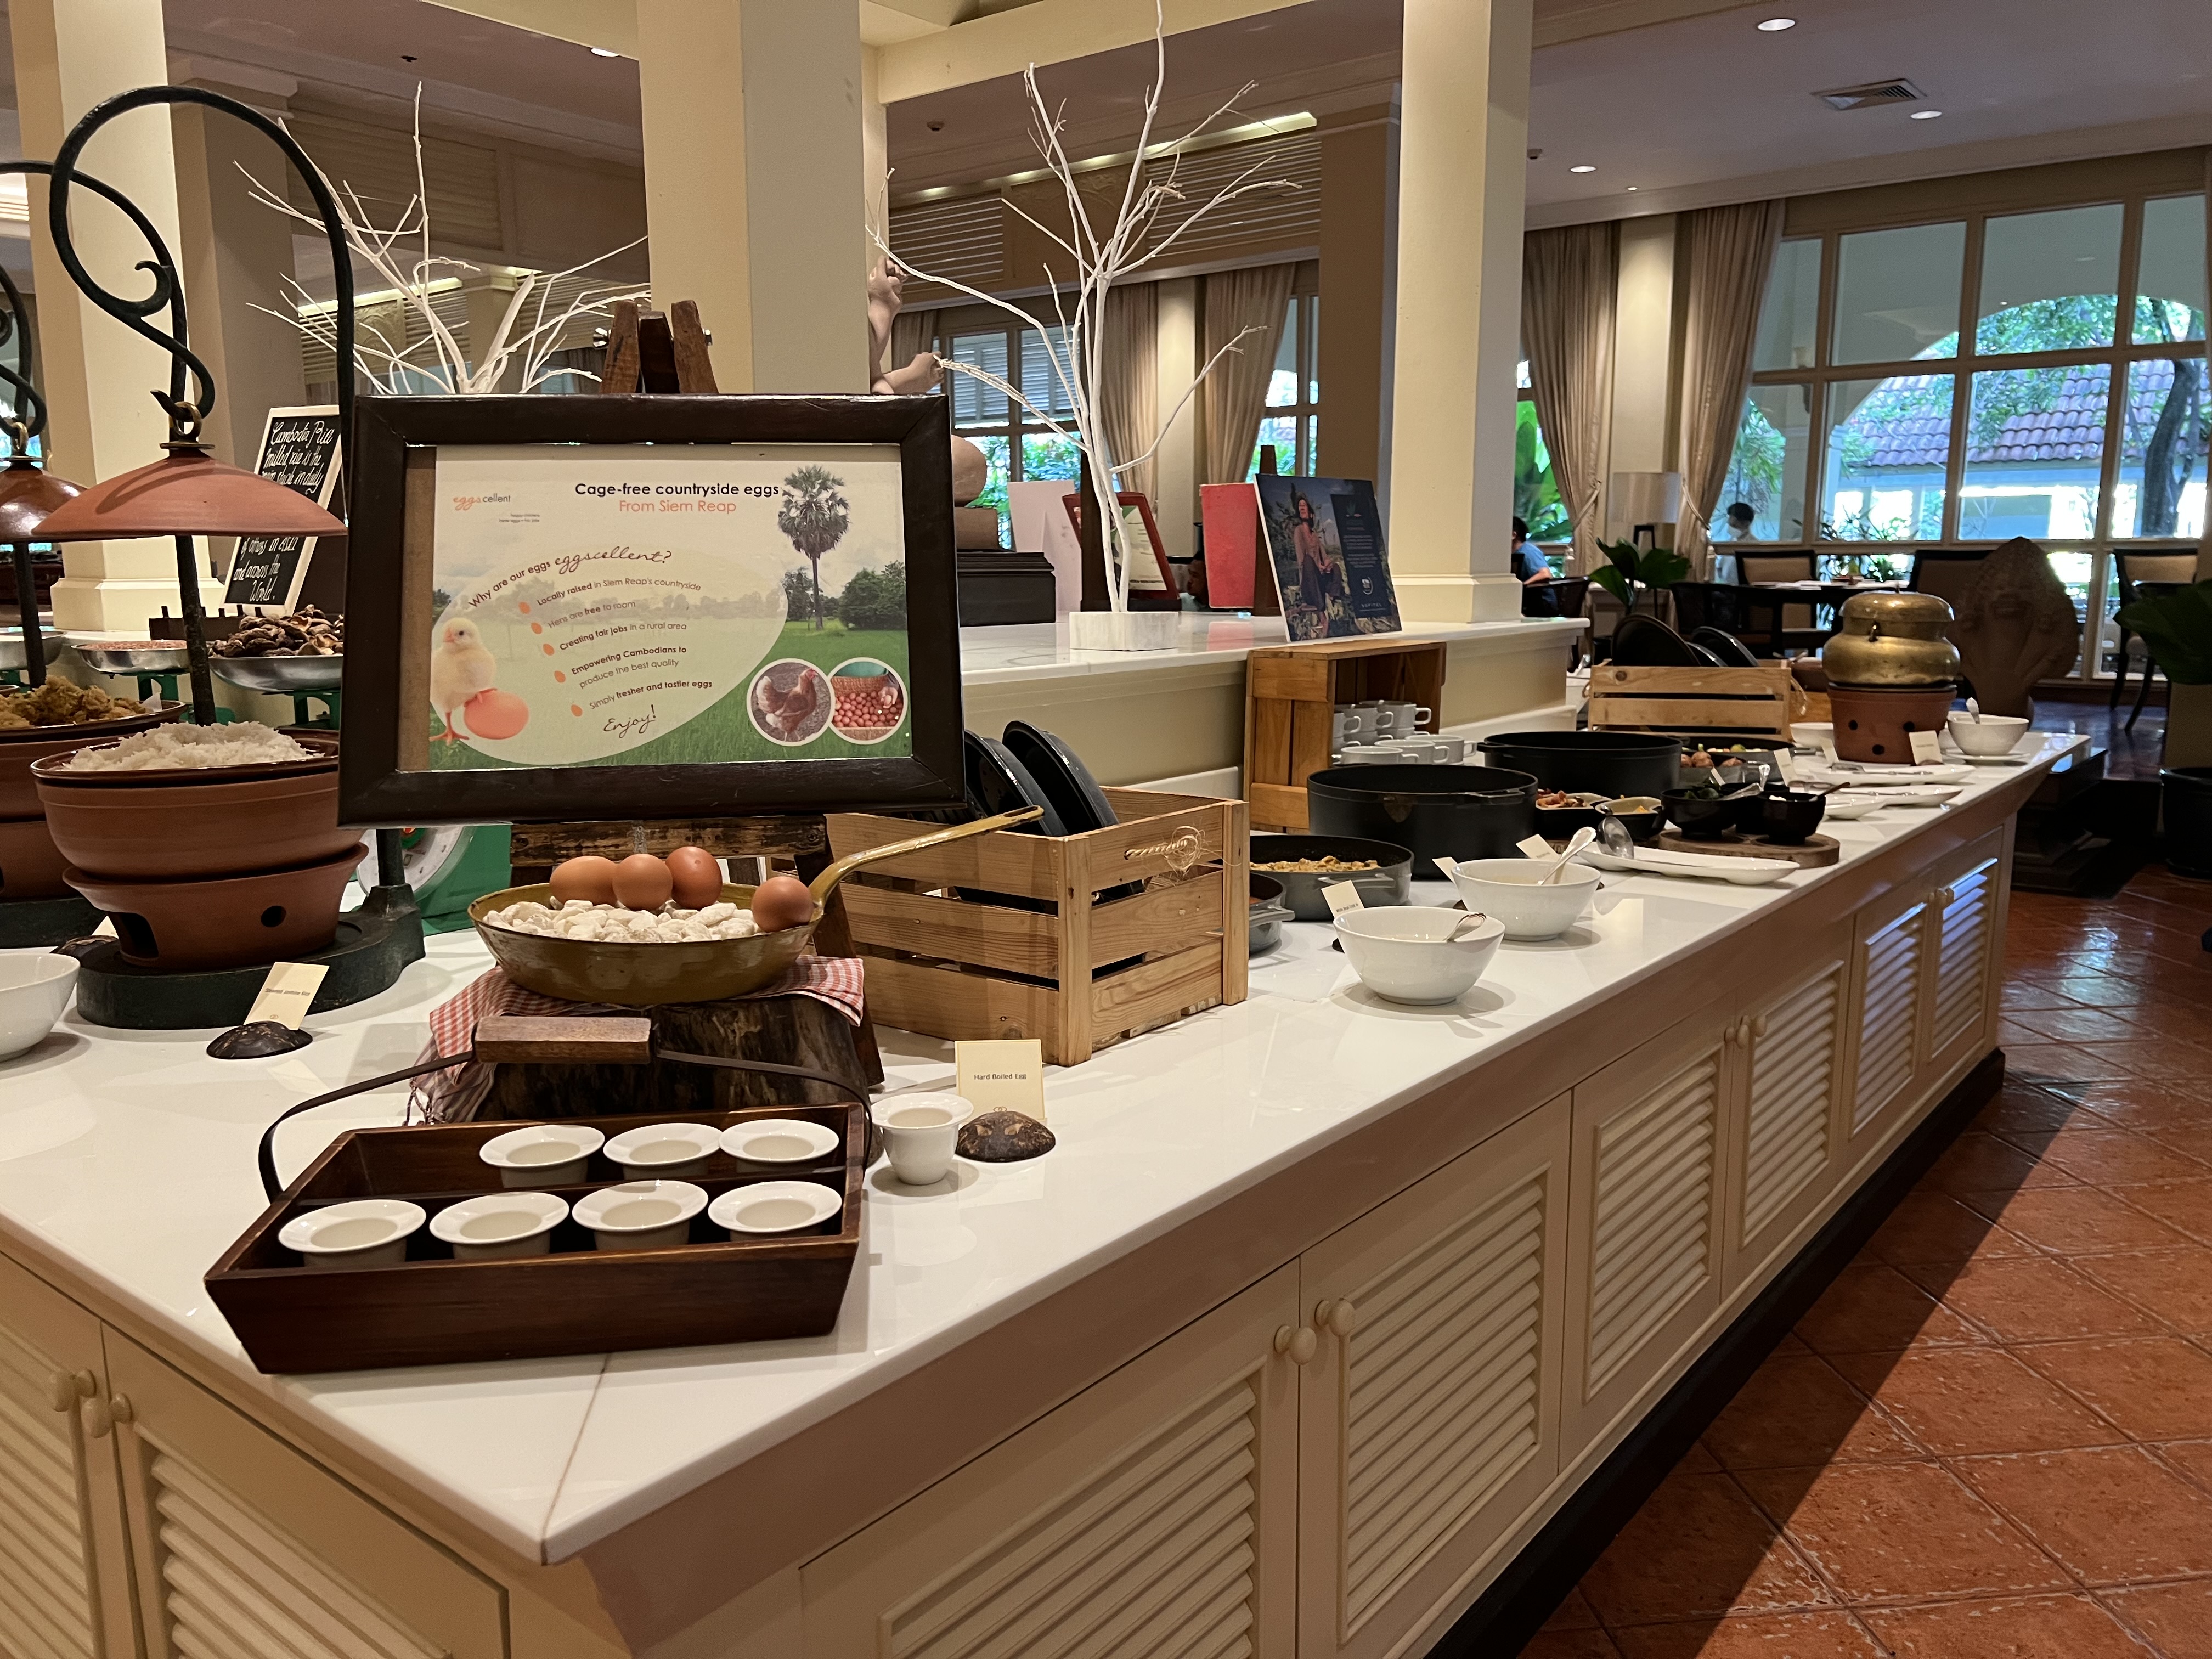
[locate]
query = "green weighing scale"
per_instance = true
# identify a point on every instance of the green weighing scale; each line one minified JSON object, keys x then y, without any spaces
{"x":450,"y":866}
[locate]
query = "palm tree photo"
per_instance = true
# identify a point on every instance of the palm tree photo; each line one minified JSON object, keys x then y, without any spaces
{"x":816,"y":516}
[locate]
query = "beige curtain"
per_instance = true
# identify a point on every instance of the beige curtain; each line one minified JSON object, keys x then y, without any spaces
{"x":1728,"y":251}
{"x":911,"y":332}
{"x":1234,"y":396}
{"x":1566,"y":329}
{"x":1129,"y":373}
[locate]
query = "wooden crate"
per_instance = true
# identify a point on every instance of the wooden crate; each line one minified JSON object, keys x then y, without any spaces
{"x":949,"y":954}
{"x":1290,"y":692}
{"x":1702,"y":702}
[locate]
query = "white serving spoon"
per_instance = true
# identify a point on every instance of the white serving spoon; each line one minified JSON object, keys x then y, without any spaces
{"x":1582,"y":838}
{"x":1974,"y":710}
{"x":1466,"y":924}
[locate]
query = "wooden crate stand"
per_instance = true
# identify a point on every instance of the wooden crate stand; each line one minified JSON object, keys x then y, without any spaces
{"x":949,"y":965}
{"x":1719,"y":703}
{"x":1290,"y":692}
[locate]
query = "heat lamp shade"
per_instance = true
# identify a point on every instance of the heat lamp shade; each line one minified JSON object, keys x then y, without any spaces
{"x":29,"y":493}
{"x":186,"y":494}
{"x":1637,"y":498}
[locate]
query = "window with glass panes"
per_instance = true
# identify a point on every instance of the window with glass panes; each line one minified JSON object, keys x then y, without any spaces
{"x":1536,"y":500}
{"x":1984,"y":376}
{"x":1293,"y":423}
{"x":1020,"y":445}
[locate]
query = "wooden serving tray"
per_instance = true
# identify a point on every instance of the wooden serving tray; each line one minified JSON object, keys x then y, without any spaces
{"x":431,"y":1309}
{"x":1815,"y":852}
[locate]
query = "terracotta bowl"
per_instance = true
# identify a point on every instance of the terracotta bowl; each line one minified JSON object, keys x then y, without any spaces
{"x":636,"y":976}
{"x":30,"y":864}
{"x":239,"y":922}
{"x":153,"y":826}
{"x":20,"y":746}
{"x":1875,"y":725}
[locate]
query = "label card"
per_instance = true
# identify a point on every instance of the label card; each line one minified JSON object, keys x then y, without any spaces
{"x":1786,"y":763}
{"x":1447,"y":863}
{"x":1006,"y":1076}
{"x":1927,"y":748}
{"x":285,"y":995}
{"x":1343,"y":896}
{"x":1537,"y":848}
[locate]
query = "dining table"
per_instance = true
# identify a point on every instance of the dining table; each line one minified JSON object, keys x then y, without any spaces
{"x":1827,"y":597}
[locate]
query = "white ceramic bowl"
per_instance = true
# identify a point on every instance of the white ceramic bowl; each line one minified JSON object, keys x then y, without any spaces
{"x":1993,"y":734}
{"x":1399,"y":953}
{"x":494,"y":1226}
{"x":542,"y":1154}
{"x":1508,"y":890}
{"x":779,"y":1141}
{"x":774,"y":1206}
{"x":665,"y":1149}
{"x":363,"y":1233}
{"x":640,"y":1215}
{"x":34,"y":991}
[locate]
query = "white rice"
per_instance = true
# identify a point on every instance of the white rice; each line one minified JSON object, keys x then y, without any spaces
{"x":610,"y":924}
{"x":195,"y":748}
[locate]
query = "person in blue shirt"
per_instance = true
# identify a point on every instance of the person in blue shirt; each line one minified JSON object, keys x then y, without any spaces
{"x":1527,"y":563}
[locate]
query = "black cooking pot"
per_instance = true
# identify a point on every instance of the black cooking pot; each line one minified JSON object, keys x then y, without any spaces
{"x":1460,"y":811}
{"x":1608,"y":763}
{"x":1266,"y":916}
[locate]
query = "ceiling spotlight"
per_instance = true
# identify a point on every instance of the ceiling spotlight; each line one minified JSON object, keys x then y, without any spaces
{"x":1585,"y":167}
{"x":1635,"y":187}
{"x":1926,"y":114}
{"x":602,"y":52}
{"x":1776,"y":24}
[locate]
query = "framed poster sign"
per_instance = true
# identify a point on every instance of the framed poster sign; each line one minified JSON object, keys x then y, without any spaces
{"x":298,"y":450}
{"x":1152,"y":578}
{"x":1325,"y":543}
{"x":637,"y":607}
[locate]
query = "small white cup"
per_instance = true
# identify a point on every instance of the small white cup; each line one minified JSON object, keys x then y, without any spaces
{"x":498,"y":1226}
{"x":1351,"y":723}
{"x":665,"y":1149}
{"x":1402,"y":719}
{"x":774,"y":1206}
{"x":1420,"y":751}
{"x":363,"y":1232}
{"x":541,"y":1155}
{"x":919,"y":1133}
{"x":779,"y":1141}
{"x":1455,"y":749}
{"x":640,"y":1215}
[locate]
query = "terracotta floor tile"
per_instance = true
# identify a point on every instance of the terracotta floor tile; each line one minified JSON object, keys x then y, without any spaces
{"x":2185,"y":1206}
{"x":1763,"y":1636}
{"x":2032,"y":1298}
{"x":2151,"y":1058}
{"x":2030,"y":1628}
{"x":2177,"y":1618}
{"x":2170,"y":1019}
{"x":2111,"y":1157}
{"x":2022,"y":996}
{"x":2139,"y":1103}
{"x":2024,"y":1106}
{"x":2190,"y":1139}
{"x":2072,"y":1220}
{"x":2154,"y":1389}
{"x":1698,"y":1460}
{"x":2192,"y":1457}
{"x":2062,"y":1059}
{"x":1874,"y":1306}
{"x":1697,"y":1548}
{"x":1795,"y":1412}
{"x":1933,"y":1227}
{"x":2088,"y":990}
{"x":1960,"y":1402}
{"x":1976,"y":1162}
{"x":2175,"y":1284}
{"x":2111,"y":1516}
{"x":2074,"y":1024}
{"x":1573,"y":1613}
{"x":1890,"y":1531}
{"x":1571,"y":1644}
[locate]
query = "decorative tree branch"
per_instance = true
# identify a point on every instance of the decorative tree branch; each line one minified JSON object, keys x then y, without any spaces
{"x":1100,"y":257}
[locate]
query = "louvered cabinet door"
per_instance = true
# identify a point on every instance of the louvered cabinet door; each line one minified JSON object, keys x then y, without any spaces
{"x":1154,"y":1514}
{"x":1645,"y":1232}
{"x":1888,"y":1035}
{"x":1429,"y":1417}
{"x":1963,"y":936}
{"x":243,"y":1549}
{"x":1787,"y":1151}
{"x":64,"y":1578}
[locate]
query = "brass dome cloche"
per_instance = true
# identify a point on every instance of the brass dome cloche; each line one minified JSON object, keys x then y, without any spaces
{"x":1892,"y":639}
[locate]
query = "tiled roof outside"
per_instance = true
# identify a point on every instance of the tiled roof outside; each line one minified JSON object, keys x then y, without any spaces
{"x":1908,"y":422}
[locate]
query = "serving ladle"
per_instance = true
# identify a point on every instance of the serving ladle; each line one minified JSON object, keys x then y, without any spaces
{"x":1582,"y":838}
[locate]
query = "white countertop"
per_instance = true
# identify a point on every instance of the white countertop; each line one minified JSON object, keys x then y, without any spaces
{"x":131,"y":1155}
{"x":1039,"y":651}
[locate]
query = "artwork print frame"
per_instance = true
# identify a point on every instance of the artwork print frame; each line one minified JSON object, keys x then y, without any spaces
{"x":1330,"y":563}
{"x":577,"y":609}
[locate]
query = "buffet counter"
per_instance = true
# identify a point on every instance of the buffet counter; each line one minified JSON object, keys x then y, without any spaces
{"x":1321,"y":1307}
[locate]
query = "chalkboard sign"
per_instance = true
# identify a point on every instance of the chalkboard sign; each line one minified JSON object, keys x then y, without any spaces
{"x":298,"y":450}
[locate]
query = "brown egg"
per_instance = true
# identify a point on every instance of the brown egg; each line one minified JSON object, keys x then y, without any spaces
{"x":642,"y":882}
{"x":591,"y":878}
{"x":697,"y":877}
{"x":781,"y":902}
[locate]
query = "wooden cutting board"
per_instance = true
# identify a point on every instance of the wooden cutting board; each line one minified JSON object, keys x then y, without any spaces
{"x":1815,"y":852}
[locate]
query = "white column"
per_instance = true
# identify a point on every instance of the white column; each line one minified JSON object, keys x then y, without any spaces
{"x":1641,"y":434}
{"x":756,"y":193}
{"x":1461,"y":187}
{"x":70,"y":55}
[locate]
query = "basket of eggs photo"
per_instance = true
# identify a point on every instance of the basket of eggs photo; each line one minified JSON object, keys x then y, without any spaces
{"x":646,"y":930}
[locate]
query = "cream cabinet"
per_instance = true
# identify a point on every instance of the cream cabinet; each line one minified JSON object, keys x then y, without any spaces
{"x":1429,"y":1416}
{"x":1965,"y":923}
{"x":64,"y":1569}
{"x":1155,"y":1513}
{"x":243,"y":1549}
{"x":1890,"y":968}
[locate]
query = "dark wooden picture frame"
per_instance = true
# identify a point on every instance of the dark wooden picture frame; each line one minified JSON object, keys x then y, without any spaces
{"x":1140,"y":599}
{"x":388,"y":587}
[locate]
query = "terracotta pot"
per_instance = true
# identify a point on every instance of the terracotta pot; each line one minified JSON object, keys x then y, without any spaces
{"x":20,"y":746}
{"x":237,"y":921}
{"x":164,"y":825}
{"x":1876,"y":725}
{"x":30,"y":864}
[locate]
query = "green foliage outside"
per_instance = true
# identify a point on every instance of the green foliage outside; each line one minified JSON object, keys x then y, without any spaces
{"x":1535,"y":491}
{"x":2177,"y":631}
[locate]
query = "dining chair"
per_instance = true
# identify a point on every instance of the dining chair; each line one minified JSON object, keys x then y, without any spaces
{"x":2132,"y":574}
{"x":1799,"y":625}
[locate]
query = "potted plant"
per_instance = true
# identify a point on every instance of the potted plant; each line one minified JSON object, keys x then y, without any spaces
{"x":2176,"y":628}
{"x":1653,"y":569}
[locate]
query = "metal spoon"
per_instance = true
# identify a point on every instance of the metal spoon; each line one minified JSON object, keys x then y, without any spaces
{"x":1582,"y":838}
{"x":1614,"y":835}
{"x":1466,"y":924}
